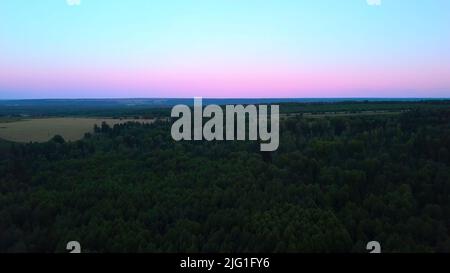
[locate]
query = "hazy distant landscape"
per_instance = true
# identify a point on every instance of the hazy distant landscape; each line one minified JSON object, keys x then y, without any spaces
{"x":40,"y":120}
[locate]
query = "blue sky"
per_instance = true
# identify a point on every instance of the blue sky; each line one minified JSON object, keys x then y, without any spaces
{"x":224,"y":48}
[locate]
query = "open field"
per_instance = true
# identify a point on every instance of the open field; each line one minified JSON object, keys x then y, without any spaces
{"x":43,"y":129}
{"x":343,"y":114}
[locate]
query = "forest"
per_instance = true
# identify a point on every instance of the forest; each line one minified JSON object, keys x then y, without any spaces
{"x":334,"y":184}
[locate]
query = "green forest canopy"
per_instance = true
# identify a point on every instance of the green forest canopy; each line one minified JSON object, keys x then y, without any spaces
{"x":334,"y":184}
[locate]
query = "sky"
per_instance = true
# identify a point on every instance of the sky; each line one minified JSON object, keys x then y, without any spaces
{"x":224,"y":48}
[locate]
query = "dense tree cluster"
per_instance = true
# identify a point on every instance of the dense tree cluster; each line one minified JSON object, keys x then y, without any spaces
{"x":334,"y":184}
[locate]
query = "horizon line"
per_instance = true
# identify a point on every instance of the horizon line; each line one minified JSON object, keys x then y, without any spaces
{"x":224,"y":98}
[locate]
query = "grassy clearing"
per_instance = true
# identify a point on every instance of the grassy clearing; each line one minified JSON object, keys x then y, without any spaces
{"x":43,"y":129}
